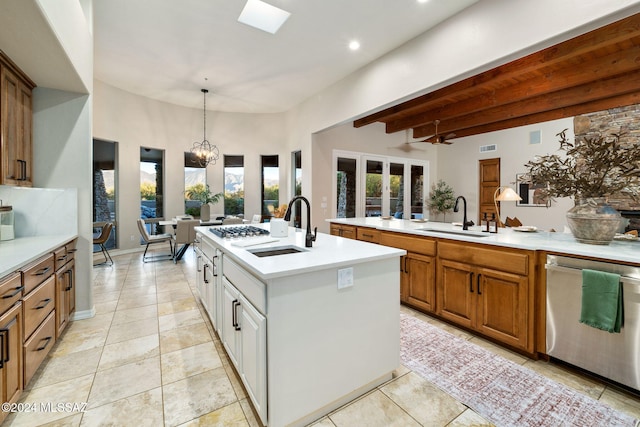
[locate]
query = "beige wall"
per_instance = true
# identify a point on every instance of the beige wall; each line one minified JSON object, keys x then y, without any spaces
{"x":134,"y":121}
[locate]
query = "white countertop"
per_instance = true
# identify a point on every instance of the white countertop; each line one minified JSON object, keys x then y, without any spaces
{"x":563,"y":243}
{"x":21,"y":251}
{"x":327,"y":252}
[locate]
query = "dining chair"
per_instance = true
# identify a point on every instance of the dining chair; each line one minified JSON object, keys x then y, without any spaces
{"x":150,"y":240}
{"x":185,"y":235}
{"x":101,"y":239}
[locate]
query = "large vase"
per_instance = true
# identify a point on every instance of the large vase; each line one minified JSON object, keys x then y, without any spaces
{"x":593,"y":221}
{"x":205,"y":212}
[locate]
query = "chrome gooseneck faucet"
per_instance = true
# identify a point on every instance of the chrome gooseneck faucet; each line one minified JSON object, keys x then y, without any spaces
{"x":465,"y":223}
{"x":310,"y":237}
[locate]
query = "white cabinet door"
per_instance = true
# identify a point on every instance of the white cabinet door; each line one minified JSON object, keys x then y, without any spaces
{"x":230,"y":326}
{"x":215,"y":296}
{"x":200,"y":276}
{"x":209,"y":288}
{"x":253,"y":354}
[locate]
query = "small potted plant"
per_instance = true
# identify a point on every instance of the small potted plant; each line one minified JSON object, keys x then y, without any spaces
{"x":203,"y":194}
{"x":591,"y":170}
{"x":441,"y":199}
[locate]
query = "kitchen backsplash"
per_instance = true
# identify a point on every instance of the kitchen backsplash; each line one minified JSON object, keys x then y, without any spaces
{"x":42,"y":211}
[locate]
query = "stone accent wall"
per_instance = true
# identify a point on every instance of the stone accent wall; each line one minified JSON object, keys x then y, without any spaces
{"x":621,"y":120}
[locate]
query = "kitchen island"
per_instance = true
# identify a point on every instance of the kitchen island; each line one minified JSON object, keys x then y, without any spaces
{"x":307,"y":330}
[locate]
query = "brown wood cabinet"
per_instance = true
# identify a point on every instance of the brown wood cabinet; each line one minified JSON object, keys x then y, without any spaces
{"x":417,"y":269}
{"x":487,"y":290}
{"x":11,"y":381}
{"x":15,"y":125}
{"x":343,"y":230}
{"x":367,"y":234}
{"x":65,"y":295}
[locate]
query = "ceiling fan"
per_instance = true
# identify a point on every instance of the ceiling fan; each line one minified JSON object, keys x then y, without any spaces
{"x":407,"y":146}
{"x":439,"y":139}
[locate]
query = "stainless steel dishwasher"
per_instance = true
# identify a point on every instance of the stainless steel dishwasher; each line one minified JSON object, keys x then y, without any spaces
{"x":615,"y":356}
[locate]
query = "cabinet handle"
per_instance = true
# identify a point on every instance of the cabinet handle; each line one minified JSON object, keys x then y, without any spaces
{"x":198,"y":259}
{"x":47,"y":341}
{"x":236,"y":304}
{"x":15,"y":292}
{"x":62,"y":257}
{"x":4,"y":346}
{"x":70,"y":274}
{"x":405,"y":265}
{"x":233,"y":314}
{"x":471,"y":282}
{"x":478,"y":284}
{"x":367,"y":235}
{"x":45,"y":301}
{"x":215,"y":267}
{"x":42,"y":271}
{"x":70,"y":251}
{"x":204,"y":276}
{"x":24,"y":170}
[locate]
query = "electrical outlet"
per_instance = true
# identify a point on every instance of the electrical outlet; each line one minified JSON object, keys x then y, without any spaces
{"x":345,"y":277}
{"x":133,"y":237}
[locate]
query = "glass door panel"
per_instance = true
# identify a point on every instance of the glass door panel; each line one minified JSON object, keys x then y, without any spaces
{"x":374,"y":179}
{"x":416,"y":188}
{"x":396,"y":190}
{"x":346,"y":185}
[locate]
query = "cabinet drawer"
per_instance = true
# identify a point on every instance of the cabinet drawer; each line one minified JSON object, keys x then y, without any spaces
{"x":71,"y":249}
{"x":60,"y":258}
{"x":36,"y":273}
{"x":421,"y":245}
{"x":208,"y":249}
{"x":10,"y":291}
{"x":253,"y":289}
{"x":38,"y":346}
{"x":500,"y":259}
{"x":368,"y":235}
{"x":38,"y":304}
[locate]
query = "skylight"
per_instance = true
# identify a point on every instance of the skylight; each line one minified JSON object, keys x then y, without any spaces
{"x":263,"y":16}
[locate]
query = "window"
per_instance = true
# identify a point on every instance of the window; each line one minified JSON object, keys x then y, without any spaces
{"x":296,"y":185}
{"x":151,"y":186}
{"x":270,"y":184}
{"x":104,"y":188}
{"x":373,"y":187}
{"x":195,"y":182}
{"x":233,"y":185}
{"x":346,"y":181}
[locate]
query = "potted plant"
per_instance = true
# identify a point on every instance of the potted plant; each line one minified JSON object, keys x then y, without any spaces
{"x":441,"y":199}
{"x":591,"y":170}
{"x":203,"y":194}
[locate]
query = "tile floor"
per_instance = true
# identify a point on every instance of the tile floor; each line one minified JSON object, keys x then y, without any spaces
{"x":149,"y":358}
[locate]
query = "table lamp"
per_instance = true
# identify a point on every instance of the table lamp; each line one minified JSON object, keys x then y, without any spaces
{"x":507,"y":195}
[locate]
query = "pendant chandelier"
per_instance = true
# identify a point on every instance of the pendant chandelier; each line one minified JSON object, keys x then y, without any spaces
{"x":204,"y":151}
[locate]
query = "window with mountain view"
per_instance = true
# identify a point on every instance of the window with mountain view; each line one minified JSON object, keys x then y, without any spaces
{"x":270,"y":184}
{"x":195,"y":182}
{"x":233,"y":185}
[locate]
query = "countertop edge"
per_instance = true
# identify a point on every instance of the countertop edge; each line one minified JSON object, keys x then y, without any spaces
{"x":19,"y":252}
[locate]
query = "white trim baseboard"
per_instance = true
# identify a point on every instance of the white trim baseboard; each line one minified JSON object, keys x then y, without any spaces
{"x":84,"y":314}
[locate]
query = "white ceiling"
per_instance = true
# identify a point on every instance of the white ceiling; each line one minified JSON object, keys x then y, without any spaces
{"x":168,"y":50}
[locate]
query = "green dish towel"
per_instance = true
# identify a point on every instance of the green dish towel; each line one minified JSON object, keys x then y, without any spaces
{"x":601,"y":300}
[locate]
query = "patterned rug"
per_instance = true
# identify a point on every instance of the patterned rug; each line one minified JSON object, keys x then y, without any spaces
{"x":503,"y":392}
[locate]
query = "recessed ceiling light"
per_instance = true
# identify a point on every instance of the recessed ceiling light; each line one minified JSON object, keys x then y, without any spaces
{"x":354,"y":45}
{"x":422,"y":1}
{"x":263,"y":16}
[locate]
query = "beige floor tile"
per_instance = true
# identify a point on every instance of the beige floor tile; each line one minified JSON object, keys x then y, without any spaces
{"x":373,"y":410}
{"x":132,"y":293}
{"x":130,"y":351}
{"x":323,"y":422}
{"x":195,"y":396}
{"x":74,"y":391}
{"x":99,"y":297}
{"x":469,"y":418}
{"x":422,"y":400}
{"x":247,"y":408}
{"x":73,"y":342}
{"x":189,"y":361}
{"x":172,"y":284}
{"x":175,"y":339}
{"x":124,"y":381}
{"x":139,"y":301}
{"x":105,"y":307}
{"x":177,"y":306}
{"x":59,"y":368}
{"x":228,"y":416}
{"x":621,"y":401}
{"x":137,"y":329}
{"x":97,"y":323}
{"x":133,"y":314}
{"x":179,"y":320}
{"x":143,"y":409}
{"x":174,"y":295}
{"x":107,"y":288}
{"x":72,"y":421}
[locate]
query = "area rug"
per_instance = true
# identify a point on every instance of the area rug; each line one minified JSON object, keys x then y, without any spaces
{"x":501,"y":391}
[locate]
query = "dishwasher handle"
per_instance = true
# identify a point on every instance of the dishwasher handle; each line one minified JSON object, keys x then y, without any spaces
{"x":555,"y":267}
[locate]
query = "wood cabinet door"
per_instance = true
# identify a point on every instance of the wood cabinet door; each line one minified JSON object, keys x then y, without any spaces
{"x":62,"y":301}
{"x":456,"y":297}
{"x":11,"y":370}
{"x":503,"y":307}
{"x":420,"y":278}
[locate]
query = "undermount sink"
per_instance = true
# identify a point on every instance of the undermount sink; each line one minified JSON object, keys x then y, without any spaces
{"x":277,"y":250}
{"x":456,"y":232}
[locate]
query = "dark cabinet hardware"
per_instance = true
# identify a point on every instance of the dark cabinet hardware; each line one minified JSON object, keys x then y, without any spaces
{"x":205,"y":273}
{"x":46,"y":340}
{"x":70,"y":279}
{"x":42,"y":271}
{"x":478,"y":284}
{"x":15,"y":292}
{"x":45,"y":301}
{"x":4,"y":347}
{"x":215,"y":267}
{"x":471,"y":282}
{"x":234,"y":315}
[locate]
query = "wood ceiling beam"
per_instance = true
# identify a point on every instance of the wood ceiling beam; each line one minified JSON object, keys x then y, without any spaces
{"x":597,"y":39}
{"x":545,"y":116}
{"x":602,"y":89}
{"x":551,"y":81}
